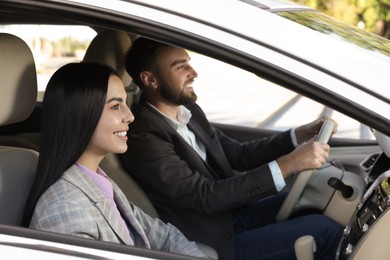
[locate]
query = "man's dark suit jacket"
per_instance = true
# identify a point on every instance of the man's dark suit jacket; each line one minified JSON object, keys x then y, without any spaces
{"x":196,"y":196}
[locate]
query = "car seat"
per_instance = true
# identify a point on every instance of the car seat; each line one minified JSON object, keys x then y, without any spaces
{"x":109,"y":47}
{"x":17,"y":100}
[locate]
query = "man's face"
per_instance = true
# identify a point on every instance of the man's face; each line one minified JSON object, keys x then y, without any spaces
{"x":175,"y":76}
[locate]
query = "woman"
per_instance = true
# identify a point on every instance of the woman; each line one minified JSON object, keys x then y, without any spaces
{"x":84,"y":117}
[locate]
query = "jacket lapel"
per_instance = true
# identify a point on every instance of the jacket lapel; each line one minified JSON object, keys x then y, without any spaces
{"x":126,"y":210}
{"x":213,"y":149}
{"x":77,"y":177}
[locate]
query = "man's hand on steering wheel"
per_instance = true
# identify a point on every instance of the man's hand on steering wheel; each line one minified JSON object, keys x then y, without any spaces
{"x":308,"y":131}
{"x":309,"y":155}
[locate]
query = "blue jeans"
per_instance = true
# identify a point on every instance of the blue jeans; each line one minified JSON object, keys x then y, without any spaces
{"x":258,"y":236}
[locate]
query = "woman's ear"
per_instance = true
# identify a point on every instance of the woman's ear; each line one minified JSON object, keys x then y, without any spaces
{"x":148,"y":79}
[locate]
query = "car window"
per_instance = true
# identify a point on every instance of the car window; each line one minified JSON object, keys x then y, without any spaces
{"x":230,"y":95}
{"x":52,"y":46}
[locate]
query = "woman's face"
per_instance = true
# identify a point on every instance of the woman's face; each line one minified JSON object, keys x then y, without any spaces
{"x":110,"y":135}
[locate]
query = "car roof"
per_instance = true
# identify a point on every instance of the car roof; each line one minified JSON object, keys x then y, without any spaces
{"x":276,"y":5}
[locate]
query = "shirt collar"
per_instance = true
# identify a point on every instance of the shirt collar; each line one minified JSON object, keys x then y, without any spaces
{"x":100,"y":179}
{"x":183,"y":116}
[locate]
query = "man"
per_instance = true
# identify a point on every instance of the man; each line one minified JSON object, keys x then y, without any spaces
{"x":189,"y":169}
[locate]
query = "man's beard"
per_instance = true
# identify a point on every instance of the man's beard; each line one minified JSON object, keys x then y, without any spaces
{"x":176,"y":96}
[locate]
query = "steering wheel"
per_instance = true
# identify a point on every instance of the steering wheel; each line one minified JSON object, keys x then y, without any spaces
{"x":303,"y":177}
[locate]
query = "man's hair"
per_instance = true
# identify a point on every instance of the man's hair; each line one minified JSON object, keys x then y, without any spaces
{"x":142,"y":56}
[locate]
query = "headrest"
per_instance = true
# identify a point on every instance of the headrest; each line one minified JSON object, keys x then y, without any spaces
{"x":18,"y":80}
{"x":110,"y":47}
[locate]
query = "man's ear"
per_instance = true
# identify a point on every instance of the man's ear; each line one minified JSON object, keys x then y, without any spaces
{"x":148,"y":79}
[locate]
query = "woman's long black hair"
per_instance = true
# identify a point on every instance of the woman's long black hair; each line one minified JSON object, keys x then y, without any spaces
{"x":72,"y":106}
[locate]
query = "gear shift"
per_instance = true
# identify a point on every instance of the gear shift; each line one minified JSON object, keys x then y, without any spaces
{"x":305,"y":247}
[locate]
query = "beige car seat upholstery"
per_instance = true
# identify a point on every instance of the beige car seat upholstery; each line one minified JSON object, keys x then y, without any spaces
{"x":110,"y":47}
{"x":17,"y":100}
{"x":132,"y":190}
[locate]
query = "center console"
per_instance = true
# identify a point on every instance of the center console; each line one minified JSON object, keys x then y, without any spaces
{"x":366,"y":236}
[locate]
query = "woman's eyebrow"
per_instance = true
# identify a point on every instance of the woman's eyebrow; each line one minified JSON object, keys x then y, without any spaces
{"x":115,"y":99}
